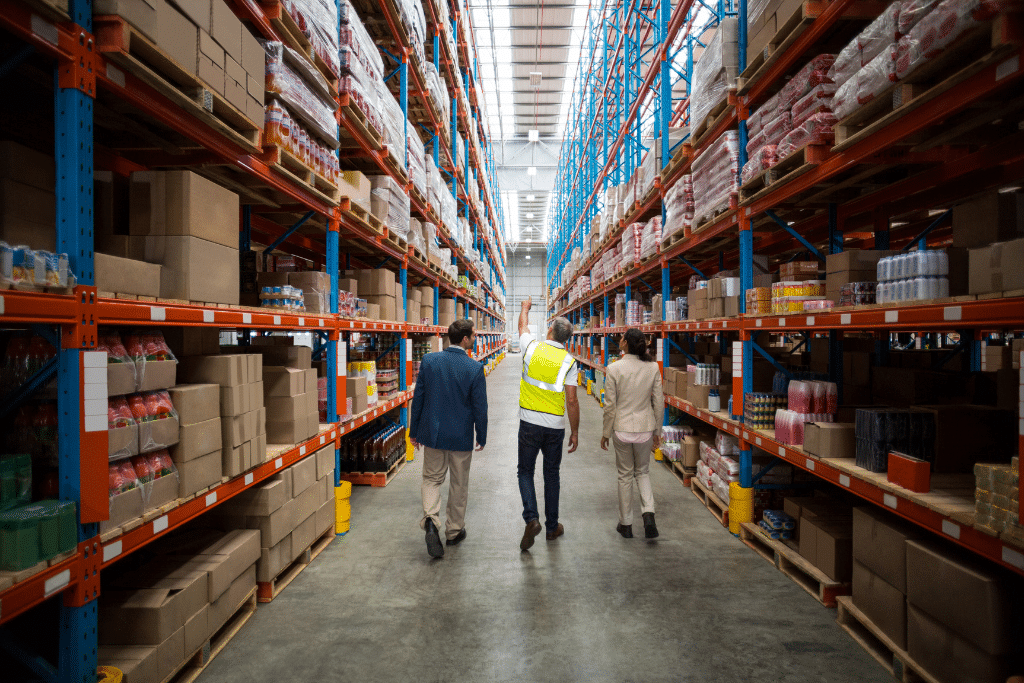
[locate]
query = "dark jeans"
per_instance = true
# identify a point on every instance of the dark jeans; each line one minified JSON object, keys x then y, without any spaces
{"x":533,"y":439}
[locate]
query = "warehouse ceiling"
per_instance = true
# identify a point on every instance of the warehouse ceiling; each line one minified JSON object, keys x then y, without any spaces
{"x":528,"y":54}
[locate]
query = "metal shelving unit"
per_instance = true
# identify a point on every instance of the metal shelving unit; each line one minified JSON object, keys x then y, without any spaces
{"x":614,"y":119}
{"x":86,"y":67}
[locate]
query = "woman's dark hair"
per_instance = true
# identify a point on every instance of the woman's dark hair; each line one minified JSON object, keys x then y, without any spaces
{"x":636,"y":343}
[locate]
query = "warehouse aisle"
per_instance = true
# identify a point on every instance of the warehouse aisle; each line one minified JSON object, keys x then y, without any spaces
{"x":694,"y":605}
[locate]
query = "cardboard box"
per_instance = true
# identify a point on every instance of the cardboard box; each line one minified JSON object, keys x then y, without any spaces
{"x":310,"y":382}
{"x":123,"y":441}
{"x":388,"y":306}
{"x":698,"y":395}
{"x":236,"y":400}
{"x":198,"y":473}
{"x":356,"y":187}
{"x":125,"y":276}
{"x":691,"y":451}
{"x":161,"y":491}
{"x":210,"y":71}
{"x":288,"y":408}
{"x":193,"y":269}
{"x":137,"y":663}
{"x":152,"y":375}
{"x":253,"y":59}
{"x":349,"y":284}
{"x":226,"y":29}
{"x":123,"y":508}
{"x":197,"y":631}
{"x":830,"y":439}
{"x":139,"y":13}
{"x":27,"y":165}
{"x":275,"y":526}
{"x":197,"y":11}
{"x":996,"y":268}
{"x":880,"y":602}
{"x":282,"y":381}
{"x":157,"y":434}
{"x":237,"y":430}
{"x":197,"y":440}
{"x":287,"y":432}
{"x":355,"y":388}
{"x":184,"y":204}
{"x":261,"y":421}
{"x":948,"y":657}
{"x":832,"y":546}
{"x":193,"y":341}
{"x":910,"y":386}
{"x":261,"y":500}
{"x":150,"y":615}
{"x":227,"y":604}
{"x":880,"y":544}
{"x":303,"y":475}
{"x":195,"y":403}
{"x":325,"y":517}
{"x":297,"y":357}
{"x":229,"y":558}
{"x":325,"y":461}
{"x":377,"y":282}
{"x":994,"y":217}
{"x":259,"y":448}
{"x":177,"y":37}
{"x":256,"y":398}
{"x":304,"y":534}
{"x":983,"y":612}
{"x":856,"y":260}
{"x":274,"y":560}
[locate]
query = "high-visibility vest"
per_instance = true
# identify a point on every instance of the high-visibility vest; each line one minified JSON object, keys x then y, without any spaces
{"x":545,"y":368}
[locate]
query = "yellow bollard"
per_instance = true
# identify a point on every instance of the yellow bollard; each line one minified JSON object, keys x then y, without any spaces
{"x":741,"y":506}
{"x":410,"y":452}
{"x":657,"y":455}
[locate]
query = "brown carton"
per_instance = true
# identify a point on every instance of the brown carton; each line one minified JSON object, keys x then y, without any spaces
{"x":184,"y":204}
{"x":996,"y":268}
{"x":226,"y":29}
{"x":281,"y":381}
{"x":193,"y":269}
{"x":176,"y":36}
{"x":324,"y":461}
{"x":304,"y":534}
{"x":157,"y":434}
{"x":298,"y":357}
{"x":833,"y":554}
{"x":287,"y":408}
{"x":377,"y":282}
{"x":227,"y":604}
{"x":139,"y":13}
{"x":151,"y":375}
{"x":261,"y":500}
{"x":226,"y":370}
{"x":287,"y":432}
{"x":198,"y":473}
{"x":994,"y":217}
{"x":830,"y":440}
{"x":275,"y":526}
{"x":880,"y":602}
{"x":274,"y":560}
{"x":236,"y":400}
{"x":197,"y":440}
{"x":123,"y":508}
{"x":161,"y":491}
{"x":947,"y":656}
{"x":197,"y":631}
{"x":196,"y":403}
{"x":256,"y":394}
{"x":124,"y":276}
{"x":325,"y":517}
{"x":123,"y":441}
{"x":880,"y":544}
{"x":303,"y":475}
{"x":137,"y":663}
{"x":149,"y":616}
{"x":193,"y":341}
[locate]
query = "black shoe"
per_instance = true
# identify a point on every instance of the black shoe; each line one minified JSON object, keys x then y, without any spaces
{"x":650,"y":528}
{"x":530,"y":534}
{"x":459,"y":538}
{"x":552,"y":535}
{"x":434,"y":547}
{"x":626,"y":530}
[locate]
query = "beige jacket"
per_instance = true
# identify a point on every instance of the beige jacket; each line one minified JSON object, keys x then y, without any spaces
{"x":633,"y":398}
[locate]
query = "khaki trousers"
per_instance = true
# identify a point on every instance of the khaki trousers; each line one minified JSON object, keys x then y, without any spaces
{"x":633,"y":461}
{"x":436,"y":464}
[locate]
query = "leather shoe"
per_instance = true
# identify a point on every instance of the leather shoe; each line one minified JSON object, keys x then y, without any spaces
{"x":459,"y":538}
{"x":626,"y":530}
{"x":531,"y":532}
{"x":650,"y":528}
{"x":559,"y":530}
{"x":434,"y":547}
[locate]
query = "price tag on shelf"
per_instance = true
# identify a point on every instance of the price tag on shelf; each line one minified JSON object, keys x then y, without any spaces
{"x":323,"y":439}
{"x":207,"y":316}
{"x":249,"y":478}
{"x":782,"y":322}
{"x":278,"y":463}
{"x":890,"y":500}
{"x":1013,"y":557}
{"x":157,"y":313}
{"x":782,"y":452}
{"x":112,"y":550}
{"x":844,"y":480}
{"x":810,"y":321}
{"x":56,"y":582}
{"x":211,"y":498}
{"x":160,"y":524}
{"x":845,"y":318}
{"x":952,"y":313}
{"x":950,"y":529}
{"x":892,"y":316}
{"x":247,"y":318}
{"x":810,"y":464}
{"x":757,"y":440}
{"x":277,"y":320}
{"x":302,"y":450}
{"x":302,"y":322}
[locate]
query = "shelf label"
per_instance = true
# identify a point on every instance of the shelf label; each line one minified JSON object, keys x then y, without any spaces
{"x":810,"y":464}
{"x":757,"y":440}
{"x":113,"y":73}
{"x":207,"y":316}
{"x":1007,"y":68}
{"x":302,"y":450}
{"x":1013,"y":558}
{"x":736,"y":431}
{"x":321,"y":322}
{"x":342,"y":360}
{"x":810,"y":321}
{"x":844,"y":480}
{"x":952,"y":313}
{"x":211,"y":498}
{"x":247,"y":318}
{"x":845,"y":318}
{"x":1,"y":305}
{"x":892,"y":316}
{"x":323,"y":440}
{"x":277,"y":320}
{"x":950,"y":529}
{"x":157,"y":313}
{"x":782,"y":452}
{"x":890,"y":500}
{"x":278,"y":463}
{"x":249,"y":478}
{"x":160,"y":524}
{"x":782,"y":322}
{"x":759,"y":322}
{"x":111,"y":551}
{"x":55,"y":583}
{"x":302,"y":322}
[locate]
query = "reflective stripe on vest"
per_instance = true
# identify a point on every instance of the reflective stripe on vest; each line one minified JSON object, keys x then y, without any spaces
{"x":545,"y":369}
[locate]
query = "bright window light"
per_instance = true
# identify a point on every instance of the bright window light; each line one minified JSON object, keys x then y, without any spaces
{"x":531,"y":197}
{"x":527,"y":257}
{"x":532,"y":170}
{"x":534,"y":135}
{"x":529,"y":216}
{"x":502,"y":38}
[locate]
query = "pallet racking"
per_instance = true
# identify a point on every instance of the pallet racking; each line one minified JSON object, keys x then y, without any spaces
{"x":92,"y":65}
{"x":893,"y":170}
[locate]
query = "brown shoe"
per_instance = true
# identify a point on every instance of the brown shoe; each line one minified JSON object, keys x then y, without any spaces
{"x":559,"y":530}
{"x":532,"y":531}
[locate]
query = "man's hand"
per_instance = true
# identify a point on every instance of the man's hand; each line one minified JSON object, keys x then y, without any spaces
{"x":657,"y":440}
{"x":528,"y":304}
{"x":479,"y":447}
{"x":574,"y":439}
{"x":416,"y":445}
{"x":604,"y":443}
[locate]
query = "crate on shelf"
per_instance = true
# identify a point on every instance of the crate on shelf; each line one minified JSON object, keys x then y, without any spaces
{"x":720,"y":112}
{"x":266,"y":591}
{"x":374,"y":479}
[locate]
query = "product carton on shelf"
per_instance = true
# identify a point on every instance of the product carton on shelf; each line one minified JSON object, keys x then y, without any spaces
{"x":141,"y":14}
{"x":830,"y":439}
{"x":176,"y":36}
{"x":996,"y":268}
{"x":193,"y":341}
{"x":195,"y":403}
{"x":832,"y":540}
{"x":116,"y":275}
{"x":946,"y":655}
{"x":198,"y":473}
{"x":880,"y":602}
{"x":193,"y":269}
{"x":880,"y":544}
{"x":356,"y":187}
{"x":993,"y":217}
{"x":183,"y":204}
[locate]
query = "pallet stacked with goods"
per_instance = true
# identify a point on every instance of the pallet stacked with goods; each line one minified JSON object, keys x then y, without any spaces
{"x":830,"y":195}
{"x":225,"y":225}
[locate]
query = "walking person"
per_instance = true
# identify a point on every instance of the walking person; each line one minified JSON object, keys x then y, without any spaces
{"x":633,"y":408}
{"x":449,"y":401}
{"x":547,"y":391}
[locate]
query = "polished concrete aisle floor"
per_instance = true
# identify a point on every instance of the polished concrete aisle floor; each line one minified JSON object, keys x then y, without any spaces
{"x":694,"y":605}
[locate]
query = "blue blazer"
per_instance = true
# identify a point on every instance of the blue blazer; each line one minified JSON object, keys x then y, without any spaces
{"x":450,"y":399}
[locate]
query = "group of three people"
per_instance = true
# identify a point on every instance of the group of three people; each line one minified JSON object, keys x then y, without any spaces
{"x":450,"y":402}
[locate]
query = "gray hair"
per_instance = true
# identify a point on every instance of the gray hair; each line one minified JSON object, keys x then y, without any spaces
{"x":561,"y":330}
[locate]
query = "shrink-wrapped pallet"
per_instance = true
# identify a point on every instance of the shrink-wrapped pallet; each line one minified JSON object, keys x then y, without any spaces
{"x":714,"y":73}
{"x":716,"y":177}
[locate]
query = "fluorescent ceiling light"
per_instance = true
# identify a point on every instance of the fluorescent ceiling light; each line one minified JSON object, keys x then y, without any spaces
{"x":533,"y":135}
{"x":531,"y":197}
{"x":502,"y":38}
{"x":532,"y":170}
{"x":527,"y":257}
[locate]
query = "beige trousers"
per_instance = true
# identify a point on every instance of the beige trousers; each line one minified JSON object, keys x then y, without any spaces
{"x":436,"y":464}
{"x":633,"y":461}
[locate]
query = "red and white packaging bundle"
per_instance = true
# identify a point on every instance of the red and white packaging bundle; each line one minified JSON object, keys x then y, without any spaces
{"x":679,"y":207}
{"x":755,"y":123}
{"x":777,"y":128}
{"x":756,"y":141}
{"x":877,"y":76}
{"x":814,"y":73}
{"x":859,"y":52}
{"x":816,"y":130}
{"x":911,"y":12}
{"x":818,"y":100}
{"x":650,"y":237}
{"x":936,"y":30}
{"x":716,"y":176}
{"x":844,"y":102}
{"x":759,"y":162}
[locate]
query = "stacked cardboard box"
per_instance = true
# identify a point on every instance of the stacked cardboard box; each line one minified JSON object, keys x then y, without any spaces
{"x":854,"y":265}
{"x":413,"y":305}
{"x":765,"y":19}
{"x":291,"y":510}
{"x":697,"y":304}
{"x":290,"y":393}
{"x":426,"y":305}
{"x":356,"y":187}
{"x":316,"y":290}
{"x":824,"y":532}
{"x":379,"y":287}
{"x":153,"y":619}
{"x":28,"y":207}
{"x":723,"y":297}
{"x":445,"y":311}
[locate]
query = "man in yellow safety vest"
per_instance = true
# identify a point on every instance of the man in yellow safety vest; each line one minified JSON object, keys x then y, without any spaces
{"x":547,"y":390}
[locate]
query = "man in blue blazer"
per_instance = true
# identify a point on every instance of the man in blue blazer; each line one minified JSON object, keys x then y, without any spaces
{"x":449,"y":401}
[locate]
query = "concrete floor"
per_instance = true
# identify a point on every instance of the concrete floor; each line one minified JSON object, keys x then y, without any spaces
{"x":695,"y":605}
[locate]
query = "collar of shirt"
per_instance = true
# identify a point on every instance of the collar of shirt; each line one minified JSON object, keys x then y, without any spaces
{"x":457,"y":347}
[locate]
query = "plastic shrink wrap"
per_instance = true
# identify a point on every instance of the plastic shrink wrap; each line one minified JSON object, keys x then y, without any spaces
{"x":306,"y":93}
{"x":318,"y":21}
{"x":715,"y":177}
{"x":714,"y":71}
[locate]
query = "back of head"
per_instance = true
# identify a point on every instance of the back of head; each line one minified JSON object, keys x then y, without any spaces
{"x":561,"y":330}
{"x":636,"y":344}
{"x":459,"y":330}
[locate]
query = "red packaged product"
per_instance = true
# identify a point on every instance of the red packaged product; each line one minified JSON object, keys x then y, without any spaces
{"x":160,"y":463}
{"x":137,"y":403}
{"x":818,"y":100}
{"x":158,"y":405}
{"x":119,"y":414}
{"x":142,"y":469}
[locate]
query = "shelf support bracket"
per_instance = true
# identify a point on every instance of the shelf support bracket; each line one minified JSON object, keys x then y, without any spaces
{"x":288,"y":233}
{"x":920,"y":239}
{"x":694,"y":268}
{"x":767,"y":356}
{"x":785,"y":226}
{"x":688,"y":356}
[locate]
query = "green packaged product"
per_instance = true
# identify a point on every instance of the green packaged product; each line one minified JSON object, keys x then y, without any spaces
{"x":57,"y":528}
{"x":19,"y":538}
{"x":15,"y":480}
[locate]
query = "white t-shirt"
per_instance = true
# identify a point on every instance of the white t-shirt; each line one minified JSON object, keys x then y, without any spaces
{"x":545,"y":419}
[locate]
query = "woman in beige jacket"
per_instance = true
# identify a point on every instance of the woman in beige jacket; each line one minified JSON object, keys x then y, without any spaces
{"x":633,"y":408}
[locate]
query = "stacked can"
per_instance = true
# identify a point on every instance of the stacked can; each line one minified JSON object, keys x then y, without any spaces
{"x":741,"y":506}
{"x":759,"y":409}
{"x":342,"y":507}
{"x":759,"y":300}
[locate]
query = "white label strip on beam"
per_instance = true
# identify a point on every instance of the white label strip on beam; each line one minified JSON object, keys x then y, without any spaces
{"x":1007,"y":68}
{"x":892,"y":316}
{"x":845,"y":318}
{"x":952,"y":313}
{"x":55,"y":583}
{"x":277,"y":320}
{"x":302,"y":322}
{"x":950,"y":529}
{"x":757,"y":440}
{"x":844,"y":480}
{"x":249,"y":478}
{"x":759,"y":322}
{"x":1,"y":305}
{"x":302,"y":450}
{"x":247,"y":318}
{"x":211,"y":498}
{"x":1013,"y":558}
{"x":208,"y":316}
{"x":890,"y":500}
{"x":810,"y":321}
{"x":782,"y":452}
{"x":278,"y":463}
{"x":111,"y":551}
{"x":810,"y":464}
{"x":160,"y":524}
{"x":157,"y":313}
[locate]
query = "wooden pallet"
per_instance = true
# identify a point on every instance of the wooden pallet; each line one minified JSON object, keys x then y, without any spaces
{"x":680,"y":473}
{"x":894,"y":659}
{"x":789,"y":562}
{"x":716,"y":214}
{"x":374,"y":479}
{"x":396,"y":240}
{"x":361,"y":216}
{"x":674,"y":238}
{"x":357,"y":119}
{"x":132,"y":51}
{"x":417,"y":255}
{"x":796,"y":164}
{"x":288,"y":165}
{"x":711,"y":501}
{"x":193,"y":666}
{"x":719,"y":112}
{"x":52,"y":9}
{"x":979,"y":48}
{"x":678,"y":159}
{"x":266,"y":591}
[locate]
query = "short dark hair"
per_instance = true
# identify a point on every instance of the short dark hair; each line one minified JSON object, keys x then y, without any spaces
{"x":459,"y":330}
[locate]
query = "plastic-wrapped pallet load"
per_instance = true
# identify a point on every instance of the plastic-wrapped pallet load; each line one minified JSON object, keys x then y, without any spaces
{"x":650,"y":238}
{"x":319,"y":19}
{"x":715,"y":177}
{"x":716,"y":70}
{"x":308,"y":95}
{"x":390,"y":203}
{"x":417,"y":164}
